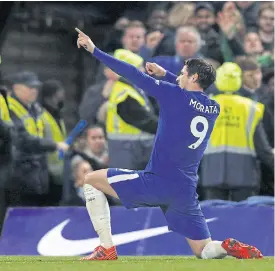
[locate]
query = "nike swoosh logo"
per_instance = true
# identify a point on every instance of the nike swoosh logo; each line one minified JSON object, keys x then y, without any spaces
{"x":54,"y":244}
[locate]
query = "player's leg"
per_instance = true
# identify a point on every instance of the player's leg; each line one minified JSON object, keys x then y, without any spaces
{"x":99,"y":180}
{"x":190,"y":222}
{"x":193,"y":226}
{"x":209,"y":249}
{"x":95,"y":186}
{"x":127,"y":185}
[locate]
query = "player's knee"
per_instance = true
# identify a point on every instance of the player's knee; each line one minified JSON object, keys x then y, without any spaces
{"x":90,"y":179}
{"x":197,"y":252}
{"x":93,"y":179}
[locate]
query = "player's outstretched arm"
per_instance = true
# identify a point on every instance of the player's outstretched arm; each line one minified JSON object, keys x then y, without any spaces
{"x":147,"y":83}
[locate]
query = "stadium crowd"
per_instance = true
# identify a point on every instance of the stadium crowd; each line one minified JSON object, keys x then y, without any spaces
{"x":237,"y":38}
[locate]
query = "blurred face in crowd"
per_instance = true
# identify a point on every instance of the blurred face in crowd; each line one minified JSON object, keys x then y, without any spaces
{"x":252,"y":44}
{"x":187,"y":43}
{"x":205,"y":19}
{"x":26,"y":94}
{"x":133,"y":39}
{"x":57,"y":100}
{"x":252,"y":79}
{"x":157,"y":20}
{"x":266,"y":21}
{"x":82,"y":169}
{"x":96,"y":140}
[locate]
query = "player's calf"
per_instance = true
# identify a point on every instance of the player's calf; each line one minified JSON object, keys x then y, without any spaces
{"x":98,"y":208}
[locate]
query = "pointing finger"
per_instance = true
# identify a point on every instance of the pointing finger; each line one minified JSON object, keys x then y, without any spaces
{"x":79,"y":31}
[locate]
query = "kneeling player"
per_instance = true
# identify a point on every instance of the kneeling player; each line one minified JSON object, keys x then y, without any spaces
{"x":187,"y":118}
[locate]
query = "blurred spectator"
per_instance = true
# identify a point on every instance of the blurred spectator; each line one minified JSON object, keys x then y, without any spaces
{"x":266,"y":26}
{"x":232,"y":28}
{"x":235,"y":143}
{"x":73,"y":157}
{"x":6,"y":159}
{"x":251,"y":78}
{"x":254,"y":89}
{"x":231,"y":25}
{"x":95,"y":146}
{"x":162,"y":41}
{"x":30,"y":183}
{"x":89,"y":153}
{"x":130,"y":121}
{"x":267,"y":98}
{"x":113,"y":39}
{"x":134,"y":36}
{"x":157,"y":20}
{"x":160,"y":38}
{"x":252,"y":45}
{"x":181,"y":14}
{"x":187,"y":45}
{"x":133,"y":39}
{"x":249,"y":11}
{"x":52,"y":99}
{"x":205,"y":20}
{"x":80,"y":168}
{"x":93,"y":99}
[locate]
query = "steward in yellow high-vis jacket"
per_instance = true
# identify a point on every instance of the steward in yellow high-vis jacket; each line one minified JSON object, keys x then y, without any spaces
{"x":52,"y":99}
{"x":230,"y":166}
{"x":131,"y":122}
{"x":6,"y":130}
{"x":30,"y":174}
{"x":6,"y":158}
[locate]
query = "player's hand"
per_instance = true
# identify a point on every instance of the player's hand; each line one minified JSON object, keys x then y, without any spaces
{"x":153,"y":39}
{"x":85,"y":41}
{"x":62,"y":146}
{"x":155,"y":69}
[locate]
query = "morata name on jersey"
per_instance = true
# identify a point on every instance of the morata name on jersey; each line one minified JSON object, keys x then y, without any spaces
{"x":204,"y":108}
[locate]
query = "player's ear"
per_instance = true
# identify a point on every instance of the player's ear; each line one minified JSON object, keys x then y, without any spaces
{"x":195,"y":78}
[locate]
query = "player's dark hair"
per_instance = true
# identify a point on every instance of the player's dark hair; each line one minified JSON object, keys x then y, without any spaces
{"x":205,"y":71}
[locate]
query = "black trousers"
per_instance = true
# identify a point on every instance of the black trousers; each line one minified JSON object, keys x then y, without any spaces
{"x":237,"y":194}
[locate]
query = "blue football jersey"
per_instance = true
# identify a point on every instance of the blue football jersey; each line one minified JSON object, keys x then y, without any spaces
{"x":185,"y":123}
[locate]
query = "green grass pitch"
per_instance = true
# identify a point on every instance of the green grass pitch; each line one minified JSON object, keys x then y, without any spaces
{"x":157,"y":263}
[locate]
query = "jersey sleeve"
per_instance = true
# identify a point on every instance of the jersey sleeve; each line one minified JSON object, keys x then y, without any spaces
{"x":159,"y":89}
{"x":170,"y":77}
